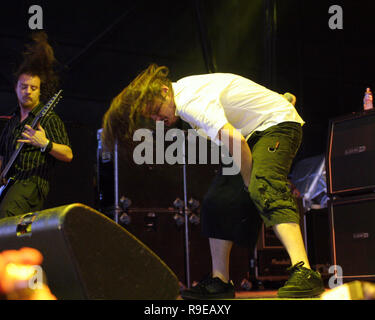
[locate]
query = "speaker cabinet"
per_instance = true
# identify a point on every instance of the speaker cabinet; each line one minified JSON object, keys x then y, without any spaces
{"x":272,"y":265}
{"x":88,"y":256}
{"x":350,"y":154}
{"x":352,"y":223}
{"x":318,"y":242}
{"x":272,"y":260}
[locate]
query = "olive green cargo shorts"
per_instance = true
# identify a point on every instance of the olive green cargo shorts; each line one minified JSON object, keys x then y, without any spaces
{"x":231,"y":212}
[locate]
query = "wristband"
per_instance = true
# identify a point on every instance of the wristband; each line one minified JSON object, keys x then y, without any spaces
{"x":47,"y":148}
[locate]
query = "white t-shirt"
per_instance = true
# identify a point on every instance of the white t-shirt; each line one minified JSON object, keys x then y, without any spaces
{"x":209,"y":101}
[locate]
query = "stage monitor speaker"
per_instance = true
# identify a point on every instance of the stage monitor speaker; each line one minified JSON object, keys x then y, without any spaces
{"x":352,"y":222}
{"x":88,"y":256}
{"x":351,"y":154}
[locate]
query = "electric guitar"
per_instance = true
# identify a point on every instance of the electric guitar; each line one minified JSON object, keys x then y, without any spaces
{"x":47,"y":108}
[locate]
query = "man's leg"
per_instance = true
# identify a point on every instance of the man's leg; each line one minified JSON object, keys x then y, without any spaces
{"x":228,"y":213}
{"x":273,"y":154}
{"x":218,"y":285}
{"x":220,"y":254}
{"x":303,"y":282}
{"x":290,"y":236}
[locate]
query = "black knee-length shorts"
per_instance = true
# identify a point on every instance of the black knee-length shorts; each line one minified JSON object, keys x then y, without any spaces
{"x":231,"y":212}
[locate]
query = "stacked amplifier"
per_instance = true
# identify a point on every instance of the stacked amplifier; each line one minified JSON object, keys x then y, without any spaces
{"x":350,"y":165}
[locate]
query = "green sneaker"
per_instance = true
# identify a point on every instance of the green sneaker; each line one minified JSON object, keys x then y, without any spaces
{"x":302,"y":283}
{"x":210,"y":288}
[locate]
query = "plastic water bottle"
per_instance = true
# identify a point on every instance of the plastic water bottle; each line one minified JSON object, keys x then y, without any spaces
{"x":367,"y":100}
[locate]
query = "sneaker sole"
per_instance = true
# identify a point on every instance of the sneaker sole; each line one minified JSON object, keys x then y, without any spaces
{"x":301,"y":294}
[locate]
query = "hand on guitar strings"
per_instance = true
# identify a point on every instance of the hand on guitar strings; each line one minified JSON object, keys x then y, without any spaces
{"x":36,"y":137}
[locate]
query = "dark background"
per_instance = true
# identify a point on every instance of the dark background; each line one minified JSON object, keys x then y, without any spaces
{"x":285,"y":45}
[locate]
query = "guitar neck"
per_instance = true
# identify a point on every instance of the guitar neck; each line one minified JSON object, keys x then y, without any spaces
{"x":16,"y":152}
{"x":11,"y":161}
{"x":48,"y":107}
{"x":35,"y":121}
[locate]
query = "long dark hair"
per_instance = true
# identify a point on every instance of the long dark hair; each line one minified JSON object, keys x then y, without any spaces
{"x":39,"y":60}
{"x":130,"y":109}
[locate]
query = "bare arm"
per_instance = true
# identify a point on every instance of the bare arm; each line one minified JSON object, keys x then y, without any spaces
{"x":61,"y":152}
{"x":232,"y":138}
{"x":38,"y":139}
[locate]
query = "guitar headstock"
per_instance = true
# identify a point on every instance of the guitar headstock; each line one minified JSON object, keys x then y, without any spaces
{"x":51,"y":103}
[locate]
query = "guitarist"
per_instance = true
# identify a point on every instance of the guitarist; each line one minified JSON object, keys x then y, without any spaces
{"x":48,"y":141}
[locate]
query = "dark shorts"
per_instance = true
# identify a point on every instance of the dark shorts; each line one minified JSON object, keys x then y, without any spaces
{"x":22,"y":197}
{"x":230,"y":212}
